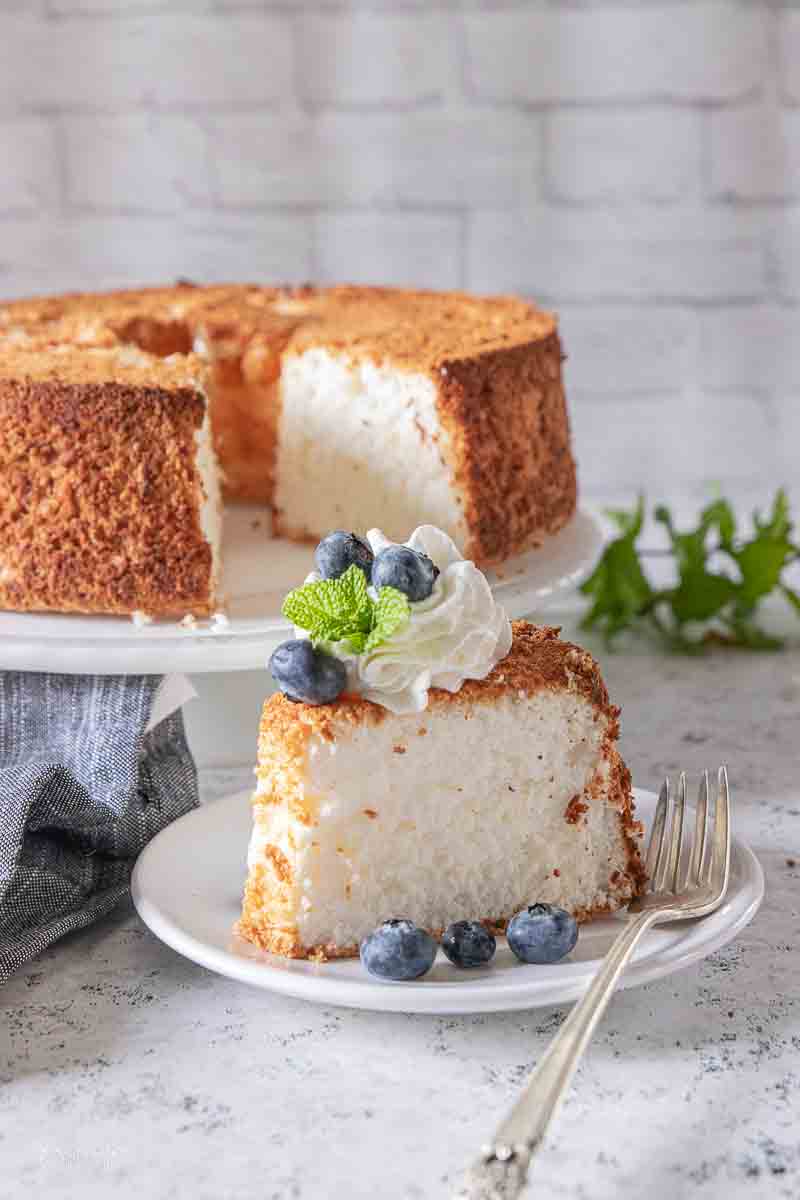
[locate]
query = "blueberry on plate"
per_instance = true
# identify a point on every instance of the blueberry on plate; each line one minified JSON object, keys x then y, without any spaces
{"x":398,"y":949}
{"x":338,"y":551}
{"x":307,"y":674}
{"x":403,"y":568}
{"x":468,"y":944}
{"x":542,"y":933}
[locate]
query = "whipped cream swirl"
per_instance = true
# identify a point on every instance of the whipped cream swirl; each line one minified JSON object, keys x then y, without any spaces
{"x":458,"y":633}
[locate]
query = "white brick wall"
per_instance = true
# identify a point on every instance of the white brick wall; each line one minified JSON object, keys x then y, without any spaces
{"x":634,"y":164}
{"x":690,"y":53}
{"x":598,"y":155}
{"x":29,"y":154}
{"x":755,"y":153}
{"x":361,"y":58}
{"x":412,"y":249}
{"x":140,"y":162}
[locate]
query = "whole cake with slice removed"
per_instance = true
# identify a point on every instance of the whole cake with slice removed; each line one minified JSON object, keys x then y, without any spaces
{"x":467,"y":767}
{"x":344,"y":400}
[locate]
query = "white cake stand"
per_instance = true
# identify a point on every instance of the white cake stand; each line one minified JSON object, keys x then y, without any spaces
{"x":258,"y":572}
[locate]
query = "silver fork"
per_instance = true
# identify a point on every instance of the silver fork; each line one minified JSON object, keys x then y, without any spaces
{"x":683,"y":883}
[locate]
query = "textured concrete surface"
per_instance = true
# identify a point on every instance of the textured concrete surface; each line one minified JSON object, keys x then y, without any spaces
{"x":127,"y":1070}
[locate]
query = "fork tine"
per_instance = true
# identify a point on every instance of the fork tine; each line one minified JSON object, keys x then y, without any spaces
{"x":656,"y":843}
{"x":698,"y":856}
{"x":669,"y":853}
{"x":721,"y":852}
{"x":676,"y":844}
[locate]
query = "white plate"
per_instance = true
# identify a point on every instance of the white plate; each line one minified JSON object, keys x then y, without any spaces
{"x":258,"y":572}
{"x":187,"y":888}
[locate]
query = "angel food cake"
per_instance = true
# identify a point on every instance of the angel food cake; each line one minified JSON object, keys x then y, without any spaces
{"x":430,"y":761}
{"x":321,"y":403}
{"x":109,"y":499}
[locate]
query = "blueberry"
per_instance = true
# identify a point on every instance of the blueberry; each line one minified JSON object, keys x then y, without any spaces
{"x":468,"y":944}
{"x":542,"y":933}
{"x":398,"y":949}
{"x":402,"y":568}
{"x":306,"y":674}
{"x":338,"y":551}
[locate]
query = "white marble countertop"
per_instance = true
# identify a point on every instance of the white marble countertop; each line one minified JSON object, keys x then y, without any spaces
{"x":129,"y":1071}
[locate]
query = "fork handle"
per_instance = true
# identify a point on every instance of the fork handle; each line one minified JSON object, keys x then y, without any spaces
{"x":500,"y":1172}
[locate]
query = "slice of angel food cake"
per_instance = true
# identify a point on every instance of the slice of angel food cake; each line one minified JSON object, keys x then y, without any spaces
{"x":428,"y":759}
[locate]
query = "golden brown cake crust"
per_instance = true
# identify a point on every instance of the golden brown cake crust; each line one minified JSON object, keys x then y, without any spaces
{"x":99,"y":493}
{"x":538,"y":660}
{"x":412,"y":330}
{"x":416,"y":330}
{"x":510,"y":451}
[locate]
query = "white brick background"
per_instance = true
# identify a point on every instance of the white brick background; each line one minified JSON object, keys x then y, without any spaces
{"x":634,"y":165}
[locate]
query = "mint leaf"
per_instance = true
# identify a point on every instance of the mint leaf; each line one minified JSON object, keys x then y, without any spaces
{"x":721,"y":578}
{"x":761,"y":560}
{"x":792,"y":596}
{"x":700,"y":594}
{"x":720,"y":516}
{"x":778,"y":524}
{"x":390,"y":613}
{"x":333,"y":610}
{"x":341,"y":610}
{"x":618,"y":585}
{"x":628,"y":523}
{"x":761,"y":563}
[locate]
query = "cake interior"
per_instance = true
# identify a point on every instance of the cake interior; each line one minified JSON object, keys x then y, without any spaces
{"x":299,"y":431}
{"x":208,"y":471}
{"x":467,"y":810}
{"x":357,"y":436}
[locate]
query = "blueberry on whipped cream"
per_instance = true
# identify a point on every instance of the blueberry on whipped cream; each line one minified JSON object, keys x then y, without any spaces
{"x":340,"y":550}
{"x":306,"y":674}
{"x":407,"y":570}
{"x":398,"y":618}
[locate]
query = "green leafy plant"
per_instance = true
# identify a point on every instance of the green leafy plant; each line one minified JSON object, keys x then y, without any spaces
{"x":342,"y":610}
{"x":721,"y":578}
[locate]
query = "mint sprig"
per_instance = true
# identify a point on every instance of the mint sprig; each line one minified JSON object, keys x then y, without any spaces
{"x":389,"y":614}
{"x":721,"y":578}
{"x":342,"y":610}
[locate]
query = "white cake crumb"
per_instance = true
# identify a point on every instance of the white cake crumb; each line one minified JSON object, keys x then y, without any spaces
{"x":328,"y":431}
{"x":188,"y":622}
{"x":219,"y":620}
{"x":140,"y":619}
{"x":476,"y":832}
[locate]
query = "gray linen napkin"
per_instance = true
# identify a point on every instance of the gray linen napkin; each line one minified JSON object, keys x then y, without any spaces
{"x":85,"y":781}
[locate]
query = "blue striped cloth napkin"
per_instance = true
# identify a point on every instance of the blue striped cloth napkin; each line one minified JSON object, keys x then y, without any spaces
{"x":91,"y":768}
